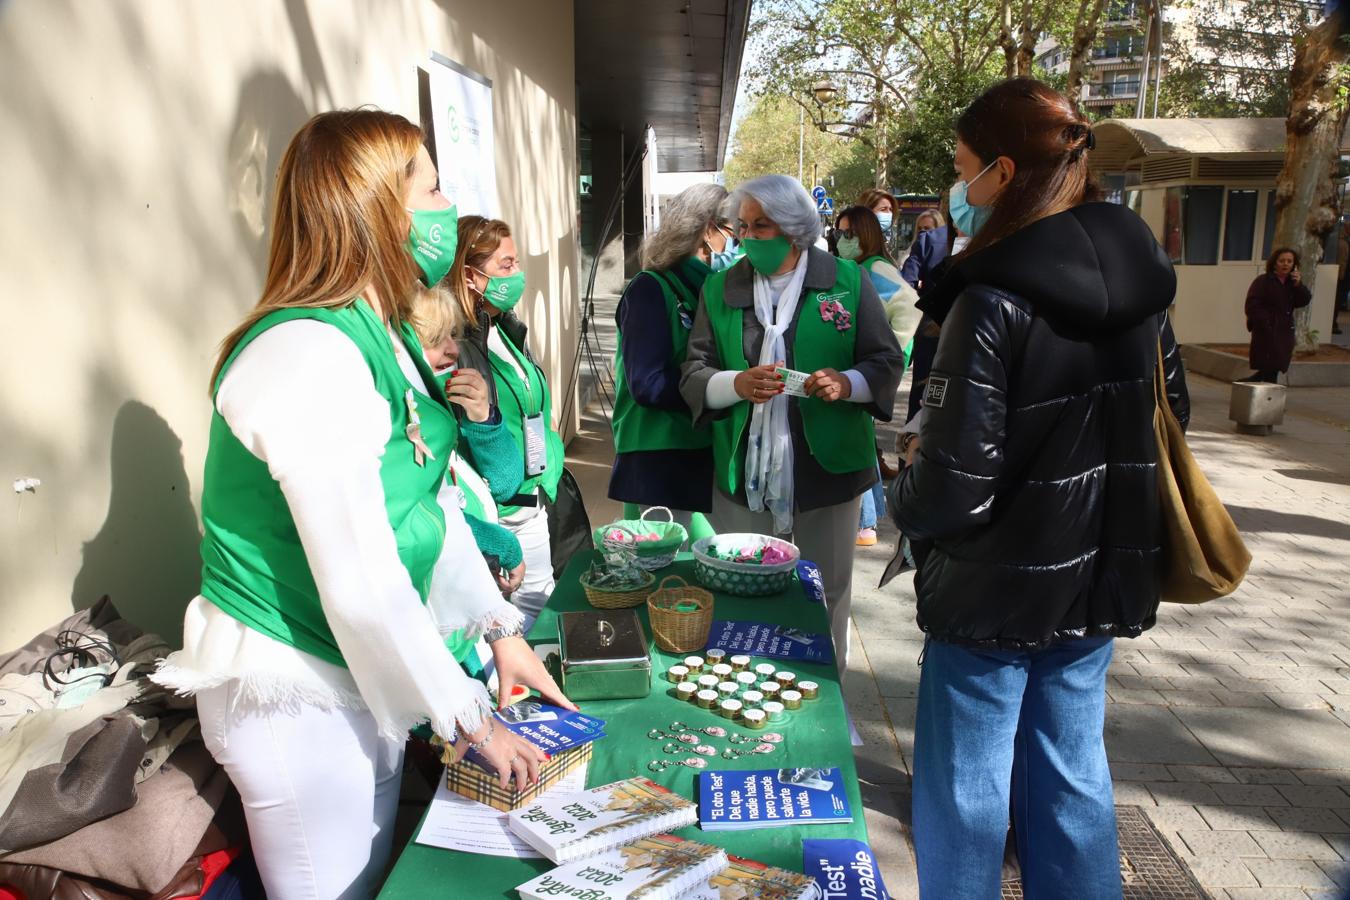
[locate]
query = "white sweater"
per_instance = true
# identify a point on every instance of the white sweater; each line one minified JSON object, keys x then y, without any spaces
{"x":301,"y":398}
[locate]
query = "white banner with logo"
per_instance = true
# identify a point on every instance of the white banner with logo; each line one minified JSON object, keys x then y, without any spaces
{"x":461,"y":120}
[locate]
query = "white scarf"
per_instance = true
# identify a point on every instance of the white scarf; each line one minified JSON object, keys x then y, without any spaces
{"x":768,"y":456}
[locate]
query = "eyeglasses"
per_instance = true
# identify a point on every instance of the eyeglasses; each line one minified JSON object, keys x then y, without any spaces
{"x":843,"y":233}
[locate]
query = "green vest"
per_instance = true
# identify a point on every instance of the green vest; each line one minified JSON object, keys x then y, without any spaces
{"x":840,"y":435}
{"x":253,"y":565}
{"x":638,"y":427}
{"x":517,"y":399}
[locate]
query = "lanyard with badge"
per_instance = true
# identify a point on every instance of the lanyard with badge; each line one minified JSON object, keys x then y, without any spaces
{"x":533,"y":428}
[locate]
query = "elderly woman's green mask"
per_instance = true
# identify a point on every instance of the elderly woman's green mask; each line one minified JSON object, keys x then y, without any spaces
{"x":767,"y":254}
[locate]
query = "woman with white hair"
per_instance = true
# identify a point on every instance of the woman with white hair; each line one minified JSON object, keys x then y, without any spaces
{"x":661,"y":458}
{"x":792,"y":465}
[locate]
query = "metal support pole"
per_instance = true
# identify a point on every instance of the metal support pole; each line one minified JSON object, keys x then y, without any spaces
{"x":801,"y":142}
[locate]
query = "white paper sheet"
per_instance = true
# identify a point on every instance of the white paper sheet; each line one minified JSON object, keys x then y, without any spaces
{"x":458,"y":823}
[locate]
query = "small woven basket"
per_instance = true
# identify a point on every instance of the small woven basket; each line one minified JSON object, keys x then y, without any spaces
{"x":681,"y":615}
{"x":622,"y":598}
{"x":649,"y":555}
{"x":744,"y":579}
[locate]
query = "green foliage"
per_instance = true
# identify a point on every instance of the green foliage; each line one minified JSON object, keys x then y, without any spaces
{"x":765,"y":143}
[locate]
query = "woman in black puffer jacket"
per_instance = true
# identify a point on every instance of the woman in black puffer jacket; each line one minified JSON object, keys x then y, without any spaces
{"x":1033,"y":502}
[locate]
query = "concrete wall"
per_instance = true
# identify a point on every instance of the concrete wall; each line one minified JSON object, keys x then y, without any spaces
{"x":139,"y":147}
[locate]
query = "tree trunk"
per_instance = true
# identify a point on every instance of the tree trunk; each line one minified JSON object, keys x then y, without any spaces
{"x":1005,"y":39}
{"x":1084,"y":36}
{"x":880,"y":124}
{"x":1305,"y":196}
{"x":1026,"y":43}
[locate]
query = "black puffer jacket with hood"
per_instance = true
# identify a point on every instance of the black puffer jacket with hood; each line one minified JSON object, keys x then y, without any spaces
{"x":1034,"y":499}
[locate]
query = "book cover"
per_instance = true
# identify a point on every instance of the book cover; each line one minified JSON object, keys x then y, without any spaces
{"x":551,"y":728}
{"x":657,"y":867}
{"x":844,"y":867}
{"x":569,"y":826}
{"x":764,"y":798}
{"x":769,"y":641}
{"x":745,"y":879}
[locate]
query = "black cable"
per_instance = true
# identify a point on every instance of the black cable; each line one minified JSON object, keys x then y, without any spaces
{"x":584,"y":340}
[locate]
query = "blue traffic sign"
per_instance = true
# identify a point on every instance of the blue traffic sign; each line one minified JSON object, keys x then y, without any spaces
{"x":818,"y":194}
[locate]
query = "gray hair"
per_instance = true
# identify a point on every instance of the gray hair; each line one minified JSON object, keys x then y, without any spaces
{"x":786,"y":203}
{"x":683,"y":222}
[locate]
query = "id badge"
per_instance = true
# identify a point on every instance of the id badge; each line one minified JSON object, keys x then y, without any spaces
{"x":536,"y":445}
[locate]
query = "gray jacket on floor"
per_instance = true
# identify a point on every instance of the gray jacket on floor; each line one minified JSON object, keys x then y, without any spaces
{"x":877,"y":357}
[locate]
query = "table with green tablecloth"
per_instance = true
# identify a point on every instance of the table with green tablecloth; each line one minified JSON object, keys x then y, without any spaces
{"x":815,"y":736}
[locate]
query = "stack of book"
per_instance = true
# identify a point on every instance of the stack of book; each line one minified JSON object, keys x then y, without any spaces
{"x":764,"y":798}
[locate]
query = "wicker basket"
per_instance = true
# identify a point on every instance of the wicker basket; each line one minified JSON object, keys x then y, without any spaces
{"x":649,"y":555}
{"x":626,"y":598}
{"x":677,"y":630}
{"x":744,"y":579}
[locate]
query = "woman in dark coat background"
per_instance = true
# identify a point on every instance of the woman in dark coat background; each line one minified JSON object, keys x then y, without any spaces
{"x":1271,"y":301}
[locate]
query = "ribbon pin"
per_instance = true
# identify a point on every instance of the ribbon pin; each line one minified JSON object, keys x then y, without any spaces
{"x":421,"y":452}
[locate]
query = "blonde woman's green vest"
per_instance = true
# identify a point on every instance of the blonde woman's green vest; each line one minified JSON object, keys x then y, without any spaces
{"x":253,"y":565}
{"x":637,"y":427}
{"x":518,"y":399}
{"x":840,"y":435}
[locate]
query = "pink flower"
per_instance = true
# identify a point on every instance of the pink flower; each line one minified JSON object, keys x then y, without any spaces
{"x":843,"y":322}
{"x":826,"y":310}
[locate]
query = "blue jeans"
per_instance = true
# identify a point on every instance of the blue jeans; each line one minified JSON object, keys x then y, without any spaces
{"x":991,"y":721}
{"x":873,"y":503}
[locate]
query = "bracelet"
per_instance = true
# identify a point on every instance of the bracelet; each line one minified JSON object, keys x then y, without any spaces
{"x":496,"y":634}
{"x":486,"y":740}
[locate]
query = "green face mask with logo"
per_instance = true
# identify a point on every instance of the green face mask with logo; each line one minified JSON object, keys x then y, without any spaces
{"x":767,"y":254}
{"x":432,"y":240}
{"x":504,"y":291}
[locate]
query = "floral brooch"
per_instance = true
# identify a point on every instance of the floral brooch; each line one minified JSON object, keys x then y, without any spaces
{"x":833,"y":311}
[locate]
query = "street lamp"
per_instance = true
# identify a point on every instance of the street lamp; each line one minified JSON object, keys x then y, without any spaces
{"x":824,"y":91}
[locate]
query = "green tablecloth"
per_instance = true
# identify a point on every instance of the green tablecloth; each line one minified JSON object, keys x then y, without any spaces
{"x":816,"y":735}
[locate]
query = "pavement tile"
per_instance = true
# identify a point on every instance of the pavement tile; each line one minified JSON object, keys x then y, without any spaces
{"x":1153,"y":734}
{"x":1132,"y":793}
{"x":1265,"y":893}
{"x":1302,"y":818}
{"x":1299,"y":873}
{"x":1120,"y":695}
{"x":1324,"y":795}
{"x":1222,"y":843}
{"x":1339,"y":777}
{"x":1208,"y":774}
{"x":1176,"y":818}
{"x":1236,"y":818}
{"x":1182,"y":793}
{"x":1264,"y":776}
{"x":1242,"y":698}
{"x":1338,"y":872}
{"x":1190,"y":698}
{"x":1287,"y":738}
{"x":1295,"y":845}
{"x":888,"y":834}
{"x":1220,"y":871}
{"x":1299,"y":701}
{"x":1251,"y":794}
{"x":1127,"y":771}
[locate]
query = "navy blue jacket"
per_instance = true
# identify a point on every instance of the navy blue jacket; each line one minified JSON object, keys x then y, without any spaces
{"x":929,"y":250}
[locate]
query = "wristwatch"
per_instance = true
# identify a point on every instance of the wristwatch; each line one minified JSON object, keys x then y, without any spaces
{"x":496,"y":634}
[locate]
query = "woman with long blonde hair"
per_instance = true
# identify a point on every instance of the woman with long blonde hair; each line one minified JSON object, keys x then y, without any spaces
{"x":331,"y":569}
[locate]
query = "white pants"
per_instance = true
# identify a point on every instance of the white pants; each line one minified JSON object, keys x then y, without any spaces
{"x":538,"y":553}
{"x":320,"y":791}
{"x":827,"y":537}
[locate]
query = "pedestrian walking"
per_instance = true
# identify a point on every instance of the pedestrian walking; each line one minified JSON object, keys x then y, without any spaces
{"x":793,"y":466}
{"x":1032,"y":502}
{"x":1271,"y":301}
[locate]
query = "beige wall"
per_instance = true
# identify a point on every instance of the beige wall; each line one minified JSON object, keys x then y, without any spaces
{"x":139,"y":146}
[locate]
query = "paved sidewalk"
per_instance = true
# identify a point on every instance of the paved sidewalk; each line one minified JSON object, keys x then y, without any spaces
{"x":1229,"y":722}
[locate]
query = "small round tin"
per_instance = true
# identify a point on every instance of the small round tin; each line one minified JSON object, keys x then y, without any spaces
{"x":773,"y":710}
{"x":810,"y":690}
{"x":746,"y":680}
{"x":715,"y":656}
{"x":765,"y":670}
{"x":731,"y":709}
{"x":792,"y":699}
{"x":686,"y":690}
{"x":708,"y":682}
{"x":722,"y":671}
{"x":727,"y":688}
{"x":707,"y":699}
{"x":676,"y":674}
{"x":752,"y":698}
{"x":770,"y":689}
{"x":754,"y":719}
{"x":695,"y":663}
{"x":740,"y":663}
{"x":786,"y":679}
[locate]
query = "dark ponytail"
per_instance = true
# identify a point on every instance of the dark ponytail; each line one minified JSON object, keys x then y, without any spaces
{"x":1048,"y":140}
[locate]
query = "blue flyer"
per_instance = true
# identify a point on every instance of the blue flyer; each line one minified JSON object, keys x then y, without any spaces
{"x":808,"y":573}
{"x":764,"y":798}
{"x":551,"y":728}
{"x":769,"y":641}
{"x":844,"y":869}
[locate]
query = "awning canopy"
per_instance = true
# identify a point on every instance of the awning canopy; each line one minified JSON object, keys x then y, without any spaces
{"x":1126,"y":143}
{"x":670,"y":64}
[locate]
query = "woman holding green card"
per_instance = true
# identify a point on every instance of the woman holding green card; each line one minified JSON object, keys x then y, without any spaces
{"x":661,"y":458}
{"x":791,"y":318}
{"x":489,"y":283}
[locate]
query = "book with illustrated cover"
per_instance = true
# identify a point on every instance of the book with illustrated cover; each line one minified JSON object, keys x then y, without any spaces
{"x":550,"y":728}
{"x":745,"y":879}
{"x":657,"y":867}
{"x":844,"y":867}
{"x":769,"y":641}
{"x":764,"y":798}
{"x":564,"y":827}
